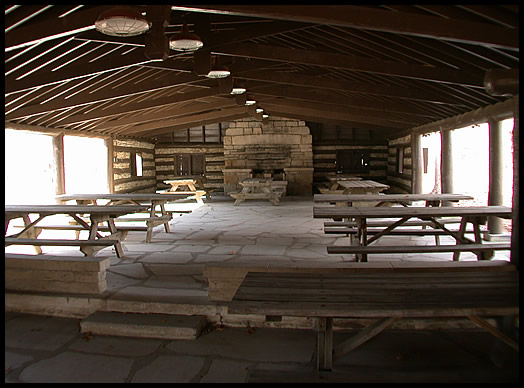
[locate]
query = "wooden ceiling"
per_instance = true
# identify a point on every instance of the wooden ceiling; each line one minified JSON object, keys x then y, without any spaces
{"x":383,"y":67}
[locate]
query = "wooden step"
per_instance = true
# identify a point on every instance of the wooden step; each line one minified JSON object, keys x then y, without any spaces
{"x":164,"y":326}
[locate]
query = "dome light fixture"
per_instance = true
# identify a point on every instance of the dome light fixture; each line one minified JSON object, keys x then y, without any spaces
{"x":238,"y":90}
{"x":185,"y":41}
{"x":218,"y":71}
{"x":122,"y":21}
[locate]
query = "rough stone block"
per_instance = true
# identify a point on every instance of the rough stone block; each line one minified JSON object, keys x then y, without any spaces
{"x":62,"y":263}
{"x":144,"y":325}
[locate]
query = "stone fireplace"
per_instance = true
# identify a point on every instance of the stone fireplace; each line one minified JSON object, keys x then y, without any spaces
{"x":280,"y":149}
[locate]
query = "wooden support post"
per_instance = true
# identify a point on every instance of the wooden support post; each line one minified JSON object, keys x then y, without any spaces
{"x":417,"y":163}
{"x":515,"y":236}
{"x":446,"y":164}
{"x":110,"y":156}
{"x":495,"y":224}
{"x":58,"y":156}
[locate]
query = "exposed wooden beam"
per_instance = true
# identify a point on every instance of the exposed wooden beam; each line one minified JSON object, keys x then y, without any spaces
{"x":156,"y":42}
{"x":146,"y":104}
{"x":374,"y":108}
{"x":314,"y":117}
{"x":160,"y":127}
{"x":348,"y":86}
{"x":324,"y":111}
{"x":129,"y":89}
{"x":351,"y":62}
{"x":175,"y":111}
{"x":105,"y":94}
{"x":375,"y":19}
{"x":51,"y":28}
{"x":80,"y":70}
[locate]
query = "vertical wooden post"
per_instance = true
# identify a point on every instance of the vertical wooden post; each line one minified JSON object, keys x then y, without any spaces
{"x":446,"y":164}
{"x":110,"y":183}
{"x":417,"y":164}
{"x":58,"y":156}
{"x":495,"y":225}
{"x":515,"y":236}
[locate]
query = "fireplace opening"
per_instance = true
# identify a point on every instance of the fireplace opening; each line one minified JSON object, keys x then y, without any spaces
{"x":276,"y":174}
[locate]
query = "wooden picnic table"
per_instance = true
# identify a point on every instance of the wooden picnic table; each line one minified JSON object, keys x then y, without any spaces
{"x":257,"y":188}
{"x":385,"y":199}
{"x":190,"y":183}
{"x":152,"y":200}
{"x":476,"y":215}
{"x":340,"y":178}
{"x":97,"y":214}
{"x":362,"y":187}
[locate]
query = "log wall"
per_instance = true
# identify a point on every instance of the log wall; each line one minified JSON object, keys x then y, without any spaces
{"x":213,"y":160}
{"x":400,"y":182}
{"x":123,"y":179}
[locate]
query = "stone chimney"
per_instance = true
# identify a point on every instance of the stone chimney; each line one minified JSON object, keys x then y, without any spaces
{"x":253,"y":148}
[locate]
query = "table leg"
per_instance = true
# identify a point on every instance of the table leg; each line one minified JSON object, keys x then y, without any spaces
{"x":31,"y":232}
{"x":324,"y":343}
{"x":118,"y":246}
{"x":460,"y":236}
{"x":362,"y":237}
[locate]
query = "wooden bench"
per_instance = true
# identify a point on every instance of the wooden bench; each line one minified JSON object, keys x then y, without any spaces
{"x":386,"y":292}
{"x":483,"y":251}
{"x":57,"y":274}
{"x":353,"y":231}
{"x":197,"y":193}
{"x":271,"y":197}
{"x":87,"y":247}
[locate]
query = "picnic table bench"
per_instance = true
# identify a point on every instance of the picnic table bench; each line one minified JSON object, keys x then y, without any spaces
{"x":97,"y":214}
{"x":385,"y":291}
{"x":257,"y":188}
{"x":397,"y":216}
{"x":151,"y":200}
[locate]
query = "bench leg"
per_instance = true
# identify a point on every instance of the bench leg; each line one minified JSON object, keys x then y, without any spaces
{"x":364,"y":335}
{"x":324,"y":343}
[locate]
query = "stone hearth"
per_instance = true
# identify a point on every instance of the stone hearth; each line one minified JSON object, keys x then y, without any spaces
{"x":280,"y":149}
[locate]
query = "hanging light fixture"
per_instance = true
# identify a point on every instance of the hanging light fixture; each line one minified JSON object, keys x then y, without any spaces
{"x":218,"y":70}
{"x":250,"y":101}
{"x":238,"y":89}
{"x":185,"y":40}
{"x":122,"y":21}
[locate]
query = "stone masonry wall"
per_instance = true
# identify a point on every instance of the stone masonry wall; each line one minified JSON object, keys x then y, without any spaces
{"x":280,"y":143}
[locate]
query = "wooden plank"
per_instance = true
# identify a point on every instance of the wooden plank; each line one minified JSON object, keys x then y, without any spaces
{"x":399,"y":212}
{"x":58,"y":242}
{"x":376,"y":249}
{"x":389,"y":197}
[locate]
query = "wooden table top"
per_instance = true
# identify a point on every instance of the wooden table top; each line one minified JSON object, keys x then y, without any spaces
{"x":361,"y":184}
{"x":344,"y":178}
{"x":72,"y":209}
{"x":389,"y":197}
{"x":420,"y":211}
{"x":181,"y":181}
{"x":124,"y":196}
